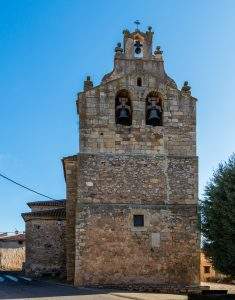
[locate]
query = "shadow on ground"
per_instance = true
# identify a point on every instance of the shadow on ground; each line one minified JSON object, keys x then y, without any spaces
{"x":12,"y":289}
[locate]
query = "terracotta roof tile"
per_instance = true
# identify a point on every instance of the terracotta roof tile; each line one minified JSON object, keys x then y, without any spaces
{"x":17,"y":237}
{"x":56,"y":213}
{"x":48,"y":203}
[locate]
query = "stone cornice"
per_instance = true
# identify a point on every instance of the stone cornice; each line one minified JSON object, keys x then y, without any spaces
{"x":48,"y":203}
{"x":58,"y":213}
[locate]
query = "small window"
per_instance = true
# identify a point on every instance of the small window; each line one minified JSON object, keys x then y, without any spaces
{"x":138,"y":220}
{"x":207,"y":269}
{"x":139,"y":81}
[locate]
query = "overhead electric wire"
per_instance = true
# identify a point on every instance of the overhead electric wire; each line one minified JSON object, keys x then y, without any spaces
{"x":25,"y":187}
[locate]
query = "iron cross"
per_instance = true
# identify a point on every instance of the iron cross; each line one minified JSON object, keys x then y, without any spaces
{"x":137,"y":22}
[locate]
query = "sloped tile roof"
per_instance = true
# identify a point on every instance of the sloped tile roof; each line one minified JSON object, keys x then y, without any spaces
{"x":16,"y":237}
{"x":48,"y":203}
{"x":54,"y":213}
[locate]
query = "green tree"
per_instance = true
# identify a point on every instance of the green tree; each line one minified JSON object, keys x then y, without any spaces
{"x":218,"y":218}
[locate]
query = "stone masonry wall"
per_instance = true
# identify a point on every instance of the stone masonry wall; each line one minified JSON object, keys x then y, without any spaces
{"x":45,"y":247}
{"x":12,"y":259}
{"x":70,"y":170}
{"x":137,"y":179}
{"x":137,"y":169}
{"x":111,"y":251}
{"x":210,"y":274}
{"x":111,"y":188}
{"x":99,"y":133}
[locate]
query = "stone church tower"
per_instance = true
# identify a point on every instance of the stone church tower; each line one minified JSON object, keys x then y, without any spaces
{"x":132,"y":189}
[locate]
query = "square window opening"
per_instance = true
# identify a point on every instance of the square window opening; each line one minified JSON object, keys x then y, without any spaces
{"x":207,"y":269}
{"x":138,"y":220}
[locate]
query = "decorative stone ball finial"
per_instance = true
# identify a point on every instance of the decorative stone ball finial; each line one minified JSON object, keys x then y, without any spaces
{"x":126,"y":31}
{"x":158,"y":50}
{"x":88,"y":84}
{"x":186,"y":87}
{"x":150,"y":28}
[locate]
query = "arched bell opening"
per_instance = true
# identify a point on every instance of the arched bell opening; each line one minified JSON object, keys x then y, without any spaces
{"x":138,"y":49}
{"x":139,"y":81}
{"x":123,"y":108}
{"x":154,"y":111}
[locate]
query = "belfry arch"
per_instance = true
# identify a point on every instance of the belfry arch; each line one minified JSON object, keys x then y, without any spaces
{"x":123,"y":108}
{"x":154,"y":109}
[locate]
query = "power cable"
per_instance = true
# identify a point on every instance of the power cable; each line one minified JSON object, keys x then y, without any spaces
{"x":25,"y":187}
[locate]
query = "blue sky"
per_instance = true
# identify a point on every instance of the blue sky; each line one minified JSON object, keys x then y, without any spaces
{"x":48,"y":47}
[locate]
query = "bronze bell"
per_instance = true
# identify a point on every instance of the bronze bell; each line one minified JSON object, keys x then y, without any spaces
{"x":123,"y":117}
{"x":154,"y":117}
{"x":138,"y":46}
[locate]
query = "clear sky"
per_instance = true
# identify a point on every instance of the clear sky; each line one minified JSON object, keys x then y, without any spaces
{"x":48,"y":47}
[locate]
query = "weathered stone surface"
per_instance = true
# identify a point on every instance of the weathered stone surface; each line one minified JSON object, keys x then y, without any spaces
{"x":12,"y":259}
{"x":123,"y":171}
{"x":45,"y":246}
{"x":137,"y":179}
{"x":207,"y":271}
{"x":12,"y":251}
{"x":127,"y":174}
{"x":70,"y":172}
{"x":111,"y":251}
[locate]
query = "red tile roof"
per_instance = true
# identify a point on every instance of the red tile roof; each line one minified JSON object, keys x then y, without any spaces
{"x":17,"y":237}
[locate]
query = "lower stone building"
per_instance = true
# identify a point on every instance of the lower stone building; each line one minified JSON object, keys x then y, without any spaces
{"x":12,"y":251}
{"x":130,"y":218}
{"x":45,"y":238}
{"x":208,"y":272}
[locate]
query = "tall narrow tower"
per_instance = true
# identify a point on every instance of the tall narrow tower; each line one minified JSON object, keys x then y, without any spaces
{"x":132,"y":189}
